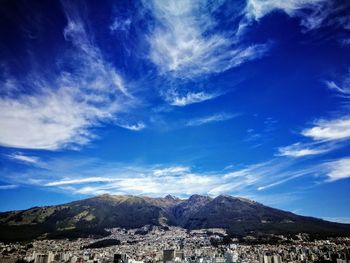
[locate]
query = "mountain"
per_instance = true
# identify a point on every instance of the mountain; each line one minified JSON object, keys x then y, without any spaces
{"x":91,"y":216}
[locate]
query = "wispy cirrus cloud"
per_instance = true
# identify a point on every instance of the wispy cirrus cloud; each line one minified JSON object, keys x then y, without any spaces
{"x":332,"y":14}
{"x":303,"y":149}
{"x":342,"y":86}
{"x":64,"y":108}
{"x":18,"y":156}
{"x":133,"y":127}
{"x":211,"y":118}
{"x":190,"y":98}
{"x":343,"y":91}
{"x":338,"y":169}
{"x":256,"y":9}
{"x":184,"y":45}
{"x":184,"y":181}
{"x":96,"y":177}
{"x":173,"y":170}
{"x":66,"y":181}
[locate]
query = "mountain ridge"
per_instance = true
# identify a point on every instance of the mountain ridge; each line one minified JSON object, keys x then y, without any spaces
{"x":91,"y":216}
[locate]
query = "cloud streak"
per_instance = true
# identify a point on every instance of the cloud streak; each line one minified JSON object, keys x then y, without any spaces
{"x":133,"y":127}
{"x":190,"y":98}
{"x":338,"y":169}
{"x":303,"y":149}
{"x":79,"y":181}
{"x":92,"y":178}
{"x":256,"y":9}
{"x":328,"y":130}
{"x":24,"y":158}
{"x":183,"y":43}
{"x":210,"y":119}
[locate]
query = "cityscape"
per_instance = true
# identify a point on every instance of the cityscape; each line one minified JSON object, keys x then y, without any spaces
{"x":173,"y":244}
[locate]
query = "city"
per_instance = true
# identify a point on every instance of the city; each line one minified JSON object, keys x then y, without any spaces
{"x":174,"y":244}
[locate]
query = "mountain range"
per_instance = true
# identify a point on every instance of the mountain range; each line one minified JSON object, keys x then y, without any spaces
{"x":90,"y":217}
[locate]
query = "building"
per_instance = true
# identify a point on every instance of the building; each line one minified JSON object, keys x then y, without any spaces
{"x":120,"y":258}
{"x":44,"y":258}
{"x":168,"y":255}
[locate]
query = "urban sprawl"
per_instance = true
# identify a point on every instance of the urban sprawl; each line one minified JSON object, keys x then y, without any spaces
{"x":174,"y":244}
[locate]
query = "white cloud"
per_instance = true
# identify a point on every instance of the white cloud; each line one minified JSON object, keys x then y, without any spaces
{"x":256,"y":9}
{"x":93,"y":177}
{"x":186,"y":184}
{"x":334,"y":129}
{"x":79,"y":181}
{"x":332,"y":85}
{"x":148,"y":183}
{"x":181,"y":181}
{"x":190,"y":98}
{"x":61,"y":111}
{"x":96,"y":177}
{"x":300,"y":150}
{"x":338,"y":169}
{"x":239,"y":173}
{"x":342,"y":88}
{"x":291,"y":177}
{"x":209,"y":119}
{"x":173,"y":170}
{"x":182,"y":42}
{"x":133,"y":127}
{"x":24,"y":158}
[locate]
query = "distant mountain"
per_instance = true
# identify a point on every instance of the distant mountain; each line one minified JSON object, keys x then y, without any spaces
{"x":91,"y":216}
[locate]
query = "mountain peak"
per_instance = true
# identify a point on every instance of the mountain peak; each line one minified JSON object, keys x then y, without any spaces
{"x":197,"y":197}
{"x":223,"y":198}
{"x":171,"y":197}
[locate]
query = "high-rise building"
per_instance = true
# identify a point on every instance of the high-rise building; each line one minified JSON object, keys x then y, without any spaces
{"x":41,"y":258}
{"x":168,"y":255}
{"x":120,"y":258}
{"x":44,"y":258}
{"x":231,"y":256}
{"x":179,"y":254}
{"x":265,"y":259}
{"x":276,"y":259}
{"x":271,"y":259}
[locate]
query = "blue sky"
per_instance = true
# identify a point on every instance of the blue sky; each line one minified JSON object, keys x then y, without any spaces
{"x":249,"y":98}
